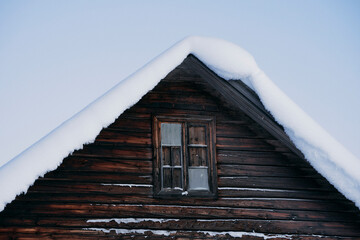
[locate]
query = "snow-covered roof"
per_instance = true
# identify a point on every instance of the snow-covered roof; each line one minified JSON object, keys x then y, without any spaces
{"x":227,"y":60}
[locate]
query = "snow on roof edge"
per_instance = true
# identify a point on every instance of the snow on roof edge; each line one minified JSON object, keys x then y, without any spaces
{"x":227,"y":60}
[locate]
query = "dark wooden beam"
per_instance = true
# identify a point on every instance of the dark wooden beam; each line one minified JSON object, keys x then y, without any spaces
{"x":243,"y":99}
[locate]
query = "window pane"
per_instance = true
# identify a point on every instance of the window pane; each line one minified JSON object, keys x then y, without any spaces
{"x":171,"y":134}
{"x":167,"y":178}
{"x":177,"y":183}
{"x":166,"y":156}
{"x":197,"y":156}
{"x":197,"y":135}
{"x":198,"y":179}
{"x":176,"y":156}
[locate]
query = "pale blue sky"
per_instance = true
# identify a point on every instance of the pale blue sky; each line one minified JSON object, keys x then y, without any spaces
{"x":58,"y":56}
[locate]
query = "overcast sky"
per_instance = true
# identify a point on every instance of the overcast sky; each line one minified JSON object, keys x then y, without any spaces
{"x":58,"y":56}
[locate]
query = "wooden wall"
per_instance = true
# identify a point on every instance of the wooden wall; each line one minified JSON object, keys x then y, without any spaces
{"x":106,"y":189}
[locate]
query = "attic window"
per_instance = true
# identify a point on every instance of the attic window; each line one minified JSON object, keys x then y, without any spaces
{"x":184,"y":148}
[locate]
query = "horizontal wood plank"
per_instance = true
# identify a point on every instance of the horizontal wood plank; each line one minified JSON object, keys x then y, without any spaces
{"x":258,"y":158}
{"x":276,"y":183}
{"x":132,"y":124}
{"x":239,"y":131}
{"x":177,"y":211}
{"x":244,"y":202}
{"x":107,"y":165}
{"x":108,"y":188}
{"x":96,"y":177}
{"x":266,"y":171}
{"x":216,"y":225}
{"x":115,"y":151}
{"x":249,"y":144}
{"x":117,"y":136}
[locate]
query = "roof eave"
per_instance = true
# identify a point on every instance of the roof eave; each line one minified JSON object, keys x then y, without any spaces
{"x":242,"y":98}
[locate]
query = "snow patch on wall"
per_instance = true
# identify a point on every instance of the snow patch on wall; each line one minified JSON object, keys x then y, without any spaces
{"x":168,"y":233}
{"x":242,"y":234}
{"x":131,"y":231}
{"x":227,"y":60}
{"x":126,"y":185}
{"x":130,"y":220}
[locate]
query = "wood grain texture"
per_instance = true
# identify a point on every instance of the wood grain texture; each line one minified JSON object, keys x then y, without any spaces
{"x":263,"y":185}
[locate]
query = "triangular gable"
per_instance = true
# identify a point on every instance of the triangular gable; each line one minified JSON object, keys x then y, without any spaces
{"x":227,"y":61}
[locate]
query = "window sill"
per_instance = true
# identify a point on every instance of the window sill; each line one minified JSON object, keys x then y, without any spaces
{"x":169,"y":194}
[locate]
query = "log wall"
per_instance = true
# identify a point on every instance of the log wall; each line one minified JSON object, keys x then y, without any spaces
{"x":105,"y":190}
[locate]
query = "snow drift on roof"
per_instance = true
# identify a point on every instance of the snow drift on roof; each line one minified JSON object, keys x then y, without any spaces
{"x":227,"y":60}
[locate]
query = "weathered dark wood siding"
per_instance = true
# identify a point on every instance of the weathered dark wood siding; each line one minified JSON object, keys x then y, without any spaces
{"x":262,"y":186}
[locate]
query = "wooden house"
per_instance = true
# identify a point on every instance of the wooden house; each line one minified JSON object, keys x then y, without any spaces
{"x":196,"y":157}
